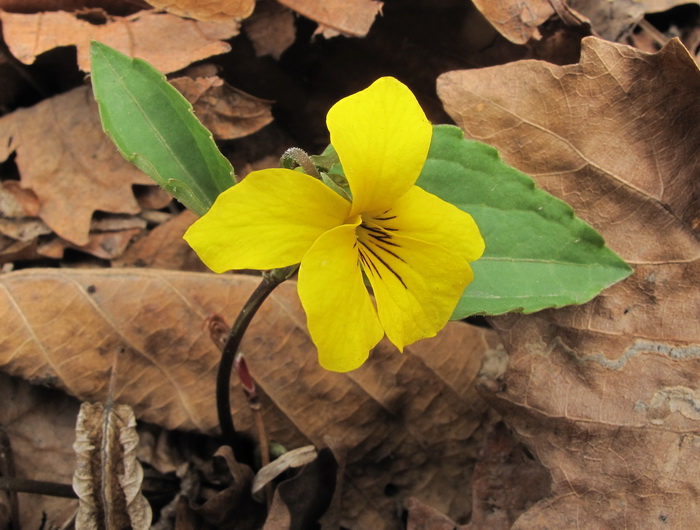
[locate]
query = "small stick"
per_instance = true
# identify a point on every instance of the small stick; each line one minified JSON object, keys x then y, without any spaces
{"x":7,"y":468}
{"x":38,"y":487}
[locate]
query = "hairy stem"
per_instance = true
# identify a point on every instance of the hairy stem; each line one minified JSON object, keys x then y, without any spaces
{"x":297,"y":156}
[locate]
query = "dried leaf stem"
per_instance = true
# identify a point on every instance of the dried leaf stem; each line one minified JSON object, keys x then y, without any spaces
{"x":241,"y":446}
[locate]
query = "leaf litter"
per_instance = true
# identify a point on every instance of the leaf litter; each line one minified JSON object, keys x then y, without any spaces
{"x":602,"y":395}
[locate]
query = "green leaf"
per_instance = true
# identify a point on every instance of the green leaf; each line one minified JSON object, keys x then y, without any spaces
{"x":538,"y":254}
{"x":154,"y":127}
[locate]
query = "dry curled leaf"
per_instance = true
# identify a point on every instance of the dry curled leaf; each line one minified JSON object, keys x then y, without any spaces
{"x":164,"y":248}
{"x":408,"y":421}
{"x":271,"y":29}
{"x":605,"y":394}
{"x":516,"y":20}
{"x":351,"y":18}
{"x":107,"y":475}
{"x":232,"y":508}
{"x":289,"y":460}
{"x":226,"y":111}
{"x":69,"y":163}
{"x":209,"y":10}
{"x":424,"y":517}
{"x":166,"y":41}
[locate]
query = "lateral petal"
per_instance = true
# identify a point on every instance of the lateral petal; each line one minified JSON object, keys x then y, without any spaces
{"x":382,"y":137}
{"x":421,"y":215}
{"x":269,"y":220}
{"x":341,"y":318}
{"x":416,"y":285}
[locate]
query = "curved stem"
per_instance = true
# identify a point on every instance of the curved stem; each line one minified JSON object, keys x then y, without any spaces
{"x":241,"y":447}
{"x":301,"y":158}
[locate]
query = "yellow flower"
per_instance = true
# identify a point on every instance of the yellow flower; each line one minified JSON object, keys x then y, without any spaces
{"x":413,"y":247}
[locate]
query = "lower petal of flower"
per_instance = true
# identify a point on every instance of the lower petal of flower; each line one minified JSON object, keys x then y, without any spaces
{"x":269,"y":220}
{"x":416,"y":284}
{"x":341,"y":318}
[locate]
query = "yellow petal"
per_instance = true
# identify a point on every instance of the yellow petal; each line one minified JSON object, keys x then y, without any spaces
{"x":416,"y":284}
{"x":382,"y":138}
{"x":269,"y":220}
{"x":341,"y":318}
{"x":421,"y":215}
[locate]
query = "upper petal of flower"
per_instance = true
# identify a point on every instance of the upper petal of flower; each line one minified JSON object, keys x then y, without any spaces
{"x":416,"y":284}
{"x":269,"y":220}
{"x":421,"y":215}
{"x":341,"y":318}
{"x":382,"y":138}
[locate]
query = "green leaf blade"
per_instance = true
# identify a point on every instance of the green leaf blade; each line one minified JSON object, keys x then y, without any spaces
{"x":538,"y":254}
{"x":154,"y":127}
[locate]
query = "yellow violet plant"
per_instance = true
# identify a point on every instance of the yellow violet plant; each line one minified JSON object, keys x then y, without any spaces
{"x":384,"y":242}
{"x":413,"y":247}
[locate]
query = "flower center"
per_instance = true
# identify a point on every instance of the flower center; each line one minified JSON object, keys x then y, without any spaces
{"x":378,"y":251}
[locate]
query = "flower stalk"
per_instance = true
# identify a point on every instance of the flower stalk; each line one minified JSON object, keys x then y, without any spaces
{"x":241,"y":446}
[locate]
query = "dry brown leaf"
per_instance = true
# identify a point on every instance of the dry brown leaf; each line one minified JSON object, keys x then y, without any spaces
{"x":17,"y":202}
{"x":164,"y":248}
{"x":408,"y":421}
{"x":166,"y":41}
{"x":605,"y":394}
{"x":424,"y":517}
{"x":507,"y":481}
{"x":271,"y":28}
{"x":40,"y":424}
{"x":611,"y":20}
{"x":232,"y":508}
{"x":516,"y":20}
{"x":69,"y":163}
{"x":208,"y":10}
{"x":226,"y":111}
{"x":352,"y":18}
{"x":614,"y":20}
{"x":601,"y":135}
{"x":24,"y":229}
{"x":107,"y":475}
{"x":105,"y":245}
{"x":120,"y":7}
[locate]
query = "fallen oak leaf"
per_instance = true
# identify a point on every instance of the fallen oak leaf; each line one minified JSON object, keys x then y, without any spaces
{"x":518,"y":20}
{"x":271,"y":28}
{"x":338,"y":17}
{"x":168,"y":42}
{"x":599,"y":136}
{"x":104,"y":245}
{"x":409,"y":420}
{"x":69,"y":164}
{"x":164,"y":248}
{"x":604,"y":394}
{"x":226,"y":111}
{"x":119,"y":7}
{"x":211,"y":10}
